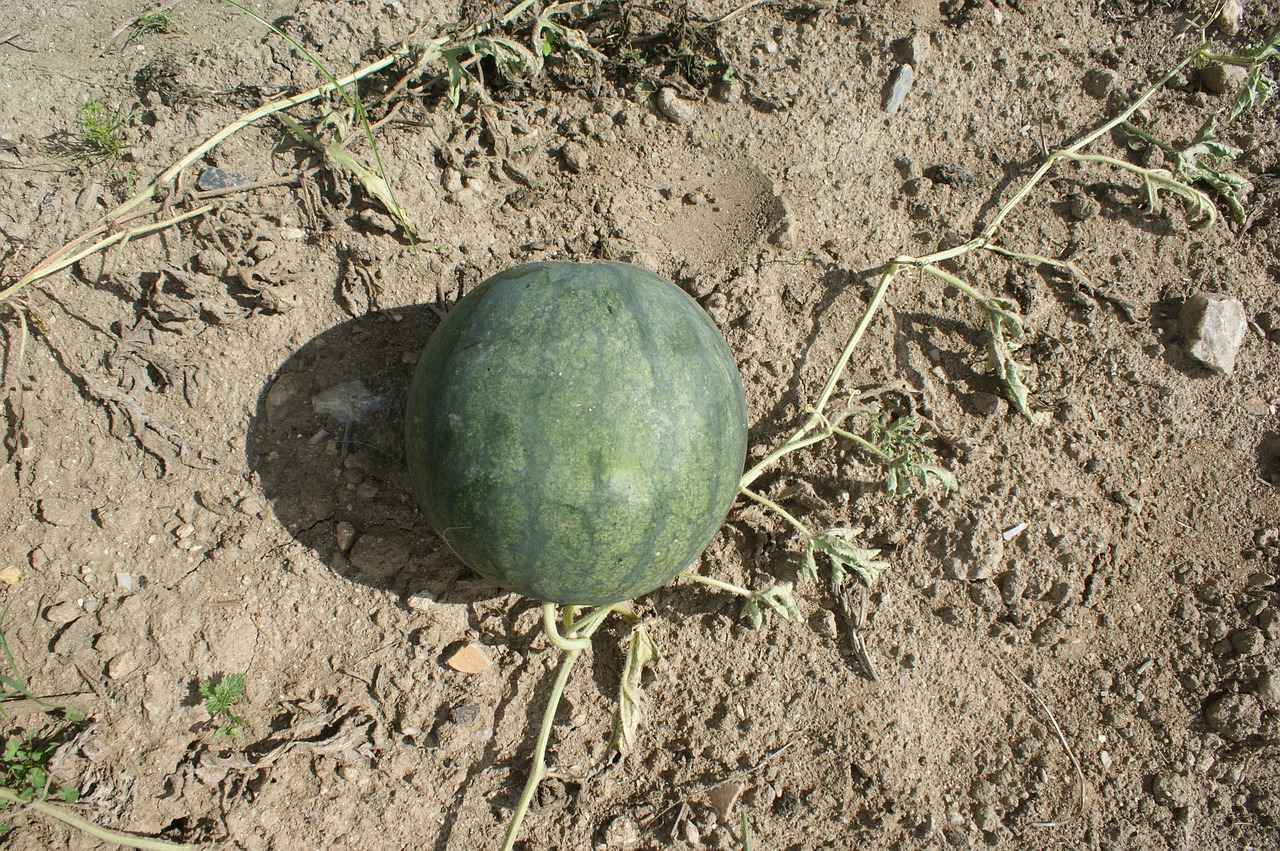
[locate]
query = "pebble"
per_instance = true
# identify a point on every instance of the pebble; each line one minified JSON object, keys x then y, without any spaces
{"x":469,"y":659}
{"x":284,"y":392}
{"x":723,"y":798}
{"x":1235,"y":717}
{"x":1247,"y":641}
{"x":122,"y":665}
{"x":211,"y":262}
{"x":344,"y":535}
{"x":1214,"y":326}
{"x":727,"y":91}
{"x":985,"y":817}
{"x":623,"y":833}
{"x":1050,"y":631}
{"x":219,"y":178}
{"x":575,"y":157}
{"x":62,"y":613}
{"x":986,"y":404}
{"x":378,"y":555}
{"x":1172,"y":790}
{"x":1222,"y":79}
{"x":349,"y":402}
{"x":465,"y":712}
{"x":1228,"y":20}
{"x":899,"y":84}
{"x":1081,"y":207}
{"x":1097,"y":82}
{"x":670,"y":105}
{"x":1269,"y":689}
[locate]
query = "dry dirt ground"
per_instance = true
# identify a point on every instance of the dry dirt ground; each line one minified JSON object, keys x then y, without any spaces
{"x":183,"y":499}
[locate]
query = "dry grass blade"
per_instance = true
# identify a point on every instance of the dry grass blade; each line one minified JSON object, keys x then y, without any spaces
{"x":1075,"y":764}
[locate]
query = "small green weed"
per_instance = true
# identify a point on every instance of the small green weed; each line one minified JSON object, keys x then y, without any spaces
{"x":100,"y":134}
{"x":220,"y":695}
{"x":156,"y":23}
{"x":24,"y":767}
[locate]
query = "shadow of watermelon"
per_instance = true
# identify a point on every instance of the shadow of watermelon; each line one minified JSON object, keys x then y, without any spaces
{"x":327,"y":444}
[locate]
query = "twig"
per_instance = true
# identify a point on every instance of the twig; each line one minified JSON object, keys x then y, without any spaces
{"x":96,"y":831}
{"x":1065,"y":746}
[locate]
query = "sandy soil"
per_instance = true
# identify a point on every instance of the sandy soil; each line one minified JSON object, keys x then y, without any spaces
{"x":1101,"y":590}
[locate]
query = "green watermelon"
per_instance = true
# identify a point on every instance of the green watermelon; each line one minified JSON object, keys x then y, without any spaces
{"x":575,"y":432}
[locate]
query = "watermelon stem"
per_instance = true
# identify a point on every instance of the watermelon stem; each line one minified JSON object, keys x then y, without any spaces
{"x":575,"y":638}
{"x":773,"y":506}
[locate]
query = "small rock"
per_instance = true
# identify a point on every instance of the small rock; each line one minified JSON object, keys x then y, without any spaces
{"x":1012,"y":585}
{"x":673,"y":107}
{"x":284,"y":392}
{"x":122,"y":665}
{"x":985,"y":816}
{"x":344,"y":536}
{"x":1228,"y":20}
{"x":1172,"y":790}
{"x":219,"y":178}
{"x":125,"y":581}
{"x":469,"y":659}
{"x":420,"y":601}
{"x":211,"y":262}
{"x":723,"y":798}
{"x":1269,"y":689}
{"x":727,"y":91}
{"x":1247,"y":641}
{"x":1214,"y":326}
{"x":465,"y":712}
{"x":623,"y":833}
{"x":1050,"y":631}
{"x":911,"y":50}
{"x":896,"y":90}
{"x":250,"y":505}
{"x":1081,"y":207}
{"x":1235,"y":717}
{"x":379,"y":556}
{"x":1223,"y":79}
{"x":349,"y":402}
{"x":10,"y":574}
{"x":985,"y":404}
{"x":262,"y":249}
{"x":60,"y":614}
{"x":1097,"y":82}
{"x":575,"y":157}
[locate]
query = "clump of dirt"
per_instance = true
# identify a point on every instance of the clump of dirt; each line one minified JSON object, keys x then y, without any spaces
{"x":203,"y":455}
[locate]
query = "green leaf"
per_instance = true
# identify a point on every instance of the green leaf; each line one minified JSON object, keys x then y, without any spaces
{"x":626,"y":719}
{"x":841,"y":546}
{"x":809,"y":567}
{"x":1004,"y":337}
{"x":777,"y":597}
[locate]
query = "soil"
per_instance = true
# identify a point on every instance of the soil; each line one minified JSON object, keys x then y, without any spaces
{"x":1076,"y":649}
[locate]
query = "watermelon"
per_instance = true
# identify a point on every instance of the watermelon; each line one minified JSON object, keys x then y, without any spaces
{"x":576,"y":432}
